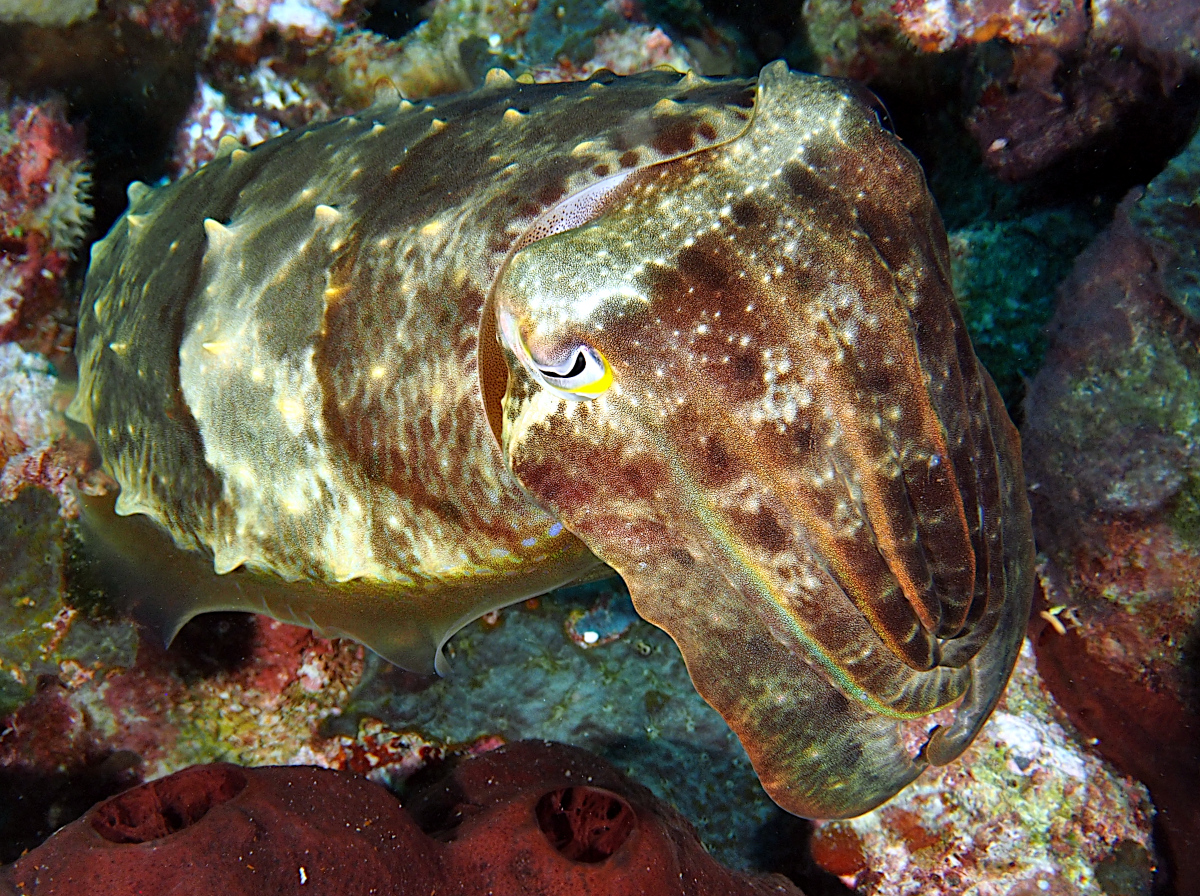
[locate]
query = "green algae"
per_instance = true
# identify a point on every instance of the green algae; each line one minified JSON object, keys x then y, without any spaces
{"x":1127,"y":872}
{"x":1150,"y":392}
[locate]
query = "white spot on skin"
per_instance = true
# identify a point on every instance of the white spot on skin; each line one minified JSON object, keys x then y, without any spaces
{"x":290,"y":409}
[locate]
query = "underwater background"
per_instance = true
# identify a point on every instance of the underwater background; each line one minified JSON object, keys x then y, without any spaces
{"x":1059,"y":140}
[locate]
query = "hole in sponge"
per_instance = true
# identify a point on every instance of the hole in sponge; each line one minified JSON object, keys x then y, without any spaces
{"x":168,"y":805}
{"x":585,"y":824}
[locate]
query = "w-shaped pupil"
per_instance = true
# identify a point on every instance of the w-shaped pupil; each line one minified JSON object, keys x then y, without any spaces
{"x":576,"y":368}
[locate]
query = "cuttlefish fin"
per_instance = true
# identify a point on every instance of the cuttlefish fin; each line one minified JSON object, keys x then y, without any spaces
{"x":161,"y":587}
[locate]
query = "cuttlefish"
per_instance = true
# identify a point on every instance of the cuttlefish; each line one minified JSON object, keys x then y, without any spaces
{"x":385,"y":374}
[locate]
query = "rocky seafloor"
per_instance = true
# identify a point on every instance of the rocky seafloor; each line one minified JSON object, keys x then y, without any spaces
{"x":1059,"y":140}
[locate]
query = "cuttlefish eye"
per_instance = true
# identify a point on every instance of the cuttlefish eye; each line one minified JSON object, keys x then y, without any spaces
{"x":584,"y":375}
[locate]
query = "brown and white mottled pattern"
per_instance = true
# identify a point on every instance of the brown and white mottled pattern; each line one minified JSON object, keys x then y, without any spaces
{"x":316,"y":363}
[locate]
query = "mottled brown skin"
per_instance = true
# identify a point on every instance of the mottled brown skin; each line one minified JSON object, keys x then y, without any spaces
{"x":792,"y":458}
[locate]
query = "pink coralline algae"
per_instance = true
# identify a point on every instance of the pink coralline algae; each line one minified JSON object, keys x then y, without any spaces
{"x":1074,"y":81}
{"x":1164,"y":31}
{"x":32,"y":448}
{"x":43,"y":217}
{"x":250,"y":23}
{"x":236,"y":687}
{"x":274,"y":66}
{"x":633,"y":49}
{"x":170,"y":19}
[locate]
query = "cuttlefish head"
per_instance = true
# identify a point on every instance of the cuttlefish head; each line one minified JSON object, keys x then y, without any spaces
{"x":741,"y":379}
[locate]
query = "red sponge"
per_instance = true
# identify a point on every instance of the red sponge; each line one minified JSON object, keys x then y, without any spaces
{"x":531,"y":817}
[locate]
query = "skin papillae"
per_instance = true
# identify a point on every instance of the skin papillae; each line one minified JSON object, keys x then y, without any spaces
{"x":321,"y":368}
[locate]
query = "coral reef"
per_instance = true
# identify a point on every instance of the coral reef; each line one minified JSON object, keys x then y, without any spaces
{"x":234,"y":688}
{"x":1037,"y":105}
{"x":461,"y":40}
{"x":853,"y":39}
{"x":253,"y":691}
{"x":1165,"y":32}
{"x":1007,"y":820}
{"x":941,"y":25}
{"x":209,"y":121}
{"x":252,"y":23}
{"x":250,"y":690}
{"x":270,"y":66}
{"x":40,"y":634}
{"x":44,"y":214}
{"x":173,"y":20}
{"x":34,"y":447}
{"x":532,"y":816}
{"x":1111,"y":439}
{"x":628,"y":699}
{"x":623,"y":51}
{"x":28,"y":420}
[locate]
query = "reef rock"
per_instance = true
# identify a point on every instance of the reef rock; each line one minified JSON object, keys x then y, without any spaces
{"x":1111,"y":437}
{"x":1051,"y":78}
{"x":530,"y":817}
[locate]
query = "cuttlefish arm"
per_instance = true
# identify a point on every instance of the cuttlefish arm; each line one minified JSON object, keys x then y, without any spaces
{"x":747,"y":388}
